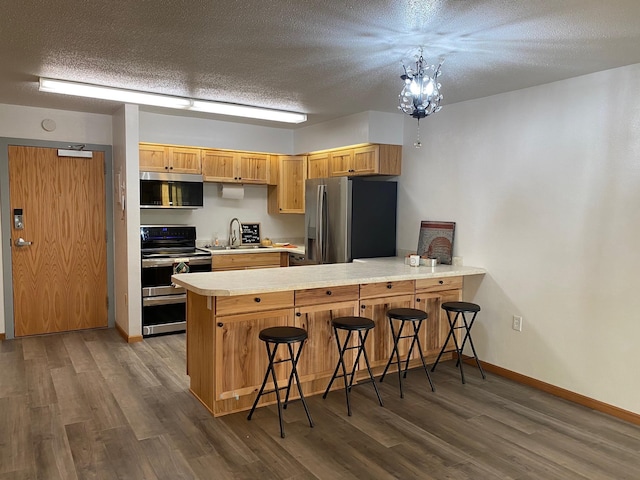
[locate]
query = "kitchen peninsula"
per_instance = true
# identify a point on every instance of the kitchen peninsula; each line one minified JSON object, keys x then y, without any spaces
{"x":226,"y":311}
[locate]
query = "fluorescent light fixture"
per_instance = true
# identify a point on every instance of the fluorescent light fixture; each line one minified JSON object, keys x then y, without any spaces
{"x":108,"y":93}
{"x":248,"y":111}
{"x":143,"y":98}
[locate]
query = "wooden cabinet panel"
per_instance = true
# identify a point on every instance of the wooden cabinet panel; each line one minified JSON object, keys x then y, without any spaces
{"x":234,"y":167}
{"x":239,"y":261}
{"x":185,"y":160}
{"x":253,"y":303}
{"x":241,"y":356}
{"x":252,"y":168}
{"x":153,"y":158}
{"x":320,"y":357}
{"x":437,"y":284}
{"x":164,"y":158}
{"x":370,"y":290}
{"x":436,"y":326}
{"x":317,"y":296}
{"x":218,"y":166}
{"x":341,"y":163}
{"x":380,"y":342}
{"x":367,"y":160}
{"x":318,"y":165}
{"x":287,"y":196}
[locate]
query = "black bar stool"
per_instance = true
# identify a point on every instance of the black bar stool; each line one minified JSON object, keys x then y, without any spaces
{"x":460,"y":309}
{"x":361,"y":325}
{"x":273,"y":337}
{"x":404,"y":315}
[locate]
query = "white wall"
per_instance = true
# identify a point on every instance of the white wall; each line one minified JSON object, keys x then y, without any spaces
{"x":543,"y":184}
{"x":200,"y":132}
{"x":73,"y":127}
{"x":126,"y":221}
{"x":364,"y":127}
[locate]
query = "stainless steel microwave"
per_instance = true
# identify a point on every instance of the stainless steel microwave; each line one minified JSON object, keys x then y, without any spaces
{"x":171,"y":190}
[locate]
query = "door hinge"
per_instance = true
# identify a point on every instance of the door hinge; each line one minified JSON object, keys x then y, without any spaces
{"x":107,"y":302}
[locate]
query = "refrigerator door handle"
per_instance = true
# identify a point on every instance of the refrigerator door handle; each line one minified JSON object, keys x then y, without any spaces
{"x":320,"y":222}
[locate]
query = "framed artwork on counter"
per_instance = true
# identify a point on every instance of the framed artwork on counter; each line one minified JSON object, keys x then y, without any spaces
{"x":436,"y":240}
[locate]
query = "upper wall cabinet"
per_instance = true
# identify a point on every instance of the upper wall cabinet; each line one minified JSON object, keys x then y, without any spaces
{"x":235,"y":167}
{"x":287,"y":195}
{"x":318,"y":165}
{"x":163,"y":158}
{"x":367,"y":160}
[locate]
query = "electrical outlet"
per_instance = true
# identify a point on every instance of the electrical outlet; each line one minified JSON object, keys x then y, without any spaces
{"x":517,"y":323}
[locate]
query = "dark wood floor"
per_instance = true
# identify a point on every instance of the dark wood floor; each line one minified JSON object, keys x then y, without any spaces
{"x":87,"y":405}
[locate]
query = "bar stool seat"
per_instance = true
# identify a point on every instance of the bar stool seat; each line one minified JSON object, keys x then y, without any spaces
{"x":461,"y":309}
{"x":273,"y":337}
{"x":362,"y":326}
{"x":404,"y":315}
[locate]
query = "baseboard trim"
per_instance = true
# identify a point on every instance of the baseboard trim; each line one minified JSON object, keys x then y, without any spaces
{"x":588,"y":402}
{"x":127,"y":338}
{"x":3,"y":336}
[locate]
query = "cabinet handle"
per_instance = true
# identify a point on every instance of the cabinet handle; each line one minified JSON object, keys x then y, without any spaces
{"x":220,"y":324}
{"x":298,"y":314}
{"x":329,"y":292}
{"x":363,"y":307}
{"x":166,"y":167}
{"x":389,"y":286}
{"x":441,"y":282}
{"x":257,"y":299}
{"x":418,"y":300}
{"x":170,"y":168}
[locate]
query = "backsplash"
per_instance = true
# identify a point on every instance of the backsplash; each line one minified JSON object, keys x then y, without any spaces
{"x":213,"y":220}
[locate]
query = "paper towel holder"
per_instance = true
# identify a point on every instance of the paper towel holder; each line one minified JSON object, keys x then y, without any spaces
{"x":231,"y":191}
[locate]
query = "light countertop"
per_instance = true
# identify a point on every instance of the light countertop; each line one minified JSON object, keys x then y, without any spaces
{"x":264,"y":280}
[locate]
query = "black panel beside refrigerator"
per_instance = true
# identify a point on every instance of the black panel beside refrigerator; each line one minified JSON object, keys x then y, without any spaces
{"x":349,"y":218}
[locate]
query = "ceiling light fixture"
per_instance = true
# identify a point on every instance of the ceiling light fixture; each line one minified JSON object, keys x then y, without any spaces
{"x":157,"y":100}
{"x":421,"y":95}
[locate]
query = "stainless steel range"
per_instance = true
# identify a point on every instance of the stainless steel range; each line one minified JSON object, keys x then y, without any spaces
{"x":166,"y":250}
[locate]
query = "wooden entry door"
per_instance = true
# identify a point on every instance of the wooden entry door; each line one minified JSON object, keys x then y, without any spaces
{"x":60,"y":279}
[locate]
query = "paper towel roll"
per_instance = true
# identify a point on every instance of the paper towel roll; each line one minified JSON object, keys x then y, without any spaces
{"x":235,"y":192}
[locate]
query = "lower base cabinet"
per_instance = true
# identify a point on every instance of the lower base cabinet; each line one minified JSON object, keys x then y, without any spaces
{"x":227,"y":361}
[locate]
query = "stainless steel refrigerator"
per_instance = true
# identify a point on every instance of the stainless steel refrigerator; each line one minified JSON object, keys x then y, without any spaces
{"x":349,"y":218}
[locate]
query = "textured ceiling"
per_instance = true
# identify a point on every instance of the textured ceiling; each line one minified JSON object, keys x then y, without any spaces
{"x":327,"y":58}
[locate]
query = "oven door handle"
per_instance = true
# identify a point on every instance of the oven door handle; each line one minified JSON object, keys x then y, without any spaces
{"x":164,"y":300}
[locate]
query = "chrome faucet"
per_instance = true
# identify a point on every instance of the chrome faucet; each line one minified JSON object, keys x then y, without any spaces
{"x":232,"y":236}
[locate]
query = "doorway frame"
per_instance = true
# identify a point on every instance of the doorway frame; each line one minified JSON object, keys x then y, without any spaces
{"x":5,"y":222}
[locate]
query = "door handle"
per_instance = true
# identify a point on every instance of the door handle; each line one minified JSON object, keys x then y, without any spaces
{"x":21,"y":242}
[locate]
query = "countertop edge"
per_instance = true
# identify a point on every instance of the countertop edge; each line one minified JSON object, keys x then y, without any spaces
{"x":196,"y":282}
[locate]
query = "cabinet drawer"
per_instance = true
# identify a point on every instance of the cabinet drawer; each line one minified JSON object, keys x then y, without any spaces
{"x":317,"y":296}
{"x":371,"y":290}
{"x":437,"y":284}
{"x":245,"y":260}
{"x":253,"y":303}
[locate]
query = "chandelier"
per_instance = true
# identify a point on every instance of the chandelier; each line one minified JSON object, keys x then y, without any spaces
{"x":421,"y":95}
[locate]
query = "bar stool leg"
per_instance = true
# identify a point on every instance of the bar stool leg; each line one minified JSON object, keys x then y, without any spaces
{"x":455,"y":341}
{"x":468,"y":336}
{"x":444,"y":345}
{"x":366,"y":361}
{"x":396,"y":339}
{"x":294,"y":366}
{"x":416,"y":339}
{"x":271,"y":357}
{"x":341,"y":350}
